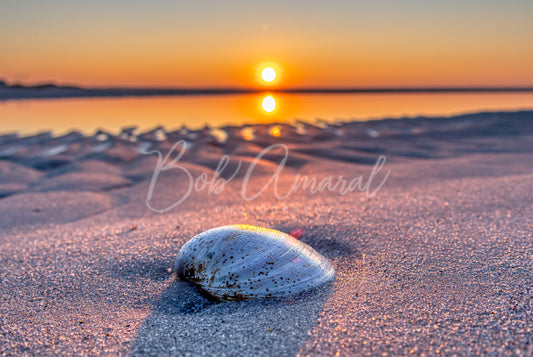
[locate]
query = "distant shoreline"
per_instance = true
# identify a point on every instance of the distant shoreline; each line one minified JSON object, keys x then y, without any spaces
{"x":51,"y":91}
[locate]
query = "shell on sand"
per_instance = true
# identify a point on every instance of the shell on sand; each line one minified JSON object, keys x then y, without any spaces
{"x":242,"y":262}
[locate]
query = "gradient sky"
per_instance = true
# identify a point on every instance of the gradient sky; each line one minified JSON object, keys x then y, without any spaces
{"x":221,"y":43}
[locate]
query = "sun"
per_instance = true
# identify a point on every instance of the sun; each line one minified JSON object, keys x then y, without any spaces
{"x":268,"y":74}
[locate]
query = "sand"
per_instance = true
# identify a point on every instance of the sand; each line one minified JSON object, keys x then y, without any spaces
{"x":437,"y":261}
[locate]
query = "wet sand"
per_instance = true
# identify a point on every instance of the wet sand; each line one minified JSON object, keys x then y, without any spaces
{"x":437,"y":261}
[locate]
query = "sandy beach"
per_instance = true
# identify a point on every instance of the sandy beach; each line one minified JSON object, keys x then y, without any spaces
{"x":432,"y":246}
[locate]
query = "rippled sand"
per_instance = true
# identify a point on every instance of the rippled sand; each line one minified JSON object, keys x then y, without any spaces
{"x":439,"y":260}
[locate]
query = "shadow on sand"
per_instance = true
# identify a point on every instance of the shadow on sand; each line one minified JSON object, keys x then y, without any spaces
{"x":184,"y":322}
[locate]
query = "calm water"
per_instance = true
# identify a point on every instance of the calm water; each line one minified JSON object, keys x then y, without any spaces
{"x":112,"y":114}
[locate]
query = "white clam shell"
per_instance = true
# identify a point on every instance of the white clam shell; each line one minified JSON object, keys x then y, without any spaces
{"x":244,"y":262}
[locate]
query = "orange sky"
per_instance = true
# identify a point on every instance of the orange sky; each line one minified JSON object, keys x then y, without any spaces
{"x":208,"y":43}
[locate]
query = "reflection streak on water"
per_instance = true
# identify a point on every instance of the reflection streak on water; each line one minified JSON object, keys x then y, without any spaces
{"x":113,"y":114}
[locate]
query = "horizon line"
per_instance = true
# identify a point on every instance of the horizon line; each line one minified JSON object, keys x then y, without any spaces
{"x":51,"y":90}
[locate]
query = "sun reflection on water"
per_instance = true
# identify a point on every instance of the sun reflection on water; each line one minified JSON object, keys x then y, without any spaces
{"x":268,"y":104}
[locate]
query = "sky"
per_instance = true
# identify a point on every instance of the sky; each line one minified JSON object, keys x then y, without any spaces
{"x":223,"y":43}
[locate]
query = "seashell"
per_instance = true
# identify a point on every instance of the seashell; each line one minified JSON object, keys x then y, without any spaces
{"x":242,"y":262}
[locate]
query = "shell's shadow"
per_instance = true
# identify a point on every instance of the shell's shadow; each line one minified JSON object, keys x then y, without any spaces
{"x":182,"y":298}
{"x":184,"y":322}
{"x":328,"y":240}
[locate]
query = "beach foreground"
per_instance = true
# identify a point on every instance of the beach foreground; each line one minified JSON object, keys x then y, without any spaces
{"x":432,"y":250}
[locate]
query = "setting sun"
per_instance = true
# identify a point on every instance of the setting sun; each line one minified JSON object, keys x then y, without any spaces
{"x":268,"y":74}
